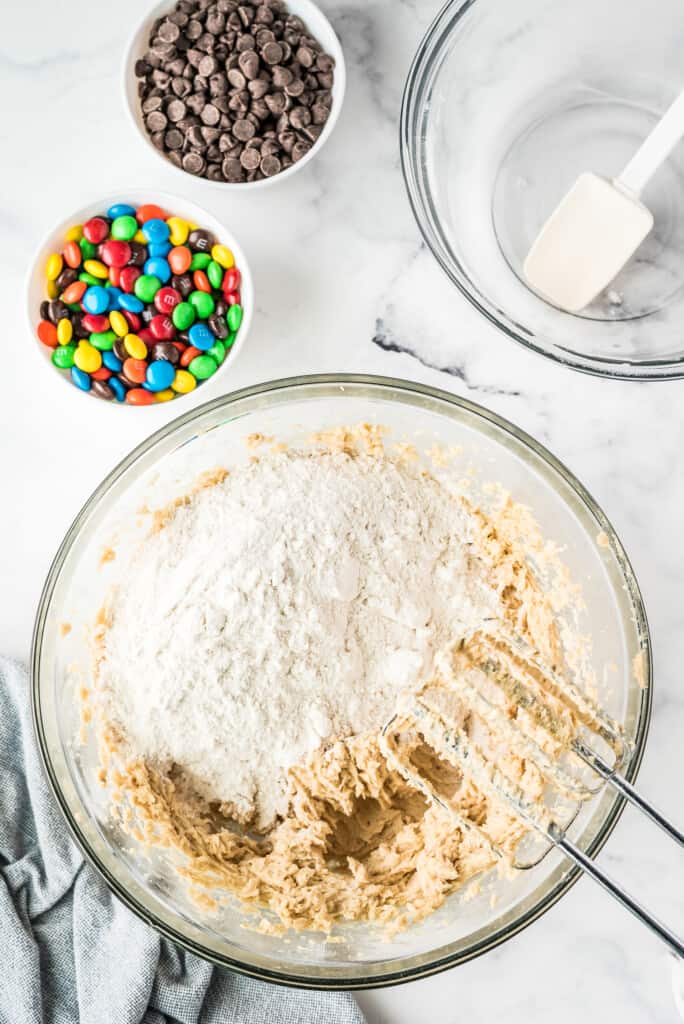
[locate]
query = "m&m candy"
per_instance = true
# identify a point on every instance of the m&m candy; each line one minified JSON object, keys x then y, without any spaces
{"x":141,"y":305}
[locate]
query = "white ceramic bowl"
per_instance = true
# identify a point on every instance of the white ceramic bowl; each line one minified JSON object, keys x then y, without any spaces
{"x":54,"y":242}
{"x":319,"y":27}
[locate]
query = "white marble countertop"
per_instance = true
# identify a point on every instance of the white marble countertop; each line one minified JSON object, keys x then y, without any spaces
{"x":344,"y":283}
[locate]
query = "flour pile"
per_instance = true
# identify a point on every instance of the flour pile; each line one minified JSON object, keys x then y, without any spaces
{"x":282,"y":608}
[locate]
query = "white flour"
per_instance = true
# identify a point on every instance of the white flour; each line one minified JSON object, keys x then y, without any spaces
{"x":286,"y":606}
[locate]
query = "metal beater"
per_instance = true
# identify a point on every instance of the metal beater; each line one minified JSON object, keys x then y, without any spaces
{"x":546,"y":723}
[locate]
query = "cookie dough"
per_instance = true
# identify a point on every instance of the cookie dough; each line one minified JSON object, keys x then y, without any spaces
{"x":355,"y":841}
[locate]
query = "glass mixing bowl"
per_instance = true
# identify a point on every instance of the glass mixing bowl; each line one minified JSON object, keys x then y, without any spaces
{"x":361,"y":955}
{"x":505,"y":104}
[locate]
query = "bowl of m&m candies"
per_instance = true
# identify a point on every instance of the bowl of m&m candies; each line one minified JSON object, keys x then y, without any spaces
{"x":140,"y":299}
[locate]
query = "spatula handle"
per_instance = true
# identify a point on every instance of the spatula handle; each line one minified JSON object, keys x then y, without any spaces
{"x":655,"y":148}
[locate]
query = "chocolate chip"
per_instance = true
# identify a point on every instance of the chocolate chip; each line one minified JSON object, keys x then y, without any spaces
{"x":300,"y":117}
{"x":259,"y":109}
{"x":244,"y":130}
{"x":245,"y":42}
{"x":299,"y":150}
{"x":287,"y":140}
{"x":207,"y":66}
{"x":176,"y":110}
{"x":281,"y":76}
{"x":324,"y":62}
{"x":272,"y":53}
{"x":193,"y":29}
{"x":275,"y":103}
{"x":218,"y":85}
{"x":180,"y":87}
{"x":216,"y":22}
{"x":257,"y":88}
{"x":151,"y":103}
{"x":250,"y":159}
{"x":313,"y":132}
{"x":232,"y":169}
{"x":195,"y":103}
{"x":305,"y":56}
{"x":168,"y":31}
{"x":237,"y":79}
{"x":173,"y":139}
{"x":193,"y":162}
{"x":239,"y":102}
{"x":270,"y":165}
{"x":206,"y":43}
{"x":141,"y":68}
{"x":164,"y":51}
{"x":161,"y":79}
{"x":156,"y":121}
{"x":263,"y":36}
{"x":295,"y":87}
{"x":210,"y":114}
{"x":249,"y":64}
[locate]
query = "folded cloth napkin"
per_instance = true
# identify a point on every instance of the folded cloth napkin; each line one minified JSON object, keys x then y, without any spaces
{"x":71,"y":953}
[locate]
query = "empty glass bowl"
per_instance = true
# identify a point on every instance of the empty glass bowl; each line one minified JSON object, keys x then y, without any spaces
{"x":360,"y":955}
{"x":504,"y":106}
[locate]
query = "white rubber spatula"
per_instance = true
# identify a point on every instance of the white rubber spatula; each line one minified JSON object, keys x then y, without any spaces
{"x":599,"y":224}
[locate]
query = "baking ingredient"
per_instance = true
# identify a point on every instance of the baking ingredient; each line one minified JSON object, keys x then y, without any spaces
{"x":234,"y":95}
{"x":275,"y":614}
{"x":120,"y":286}
{"x":285,"y":606}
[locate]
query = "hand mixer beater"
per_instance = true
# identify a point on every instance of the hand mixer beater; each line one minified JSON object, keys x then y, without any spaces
{"x":526,"y":736}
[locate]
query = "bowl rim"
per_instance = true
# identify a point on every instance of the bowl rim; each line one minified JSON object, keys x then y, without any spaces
{"x":167,"y":199}
{"x":419,"y":75}
{"x":386,"y":977}
{"x":133,"y":45}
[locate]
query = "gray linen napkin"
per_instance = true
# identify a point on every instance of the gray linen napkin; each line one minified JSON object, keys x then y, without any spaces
{"x":70,"y":953}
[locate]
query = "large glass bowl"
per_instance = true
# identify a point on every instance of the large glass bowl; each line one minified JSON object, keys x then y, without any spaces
{"x":361,"y":956}
{"x":505,"y":104}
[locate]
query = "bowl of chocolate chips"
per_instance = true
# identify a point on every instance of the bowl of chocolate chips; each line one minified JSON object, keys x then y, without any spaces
{"x":242,"y":93}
